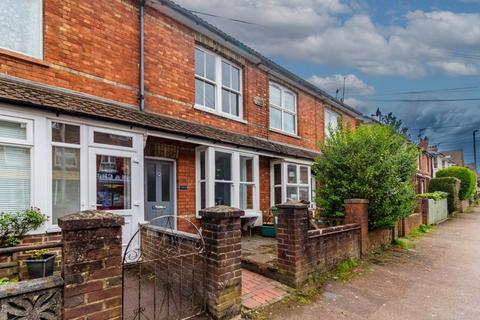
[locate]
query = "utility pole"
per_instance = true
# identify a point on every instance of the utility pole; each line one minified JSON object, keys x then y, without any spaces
{"x":343,"y":95}
{"x":475,"y":149}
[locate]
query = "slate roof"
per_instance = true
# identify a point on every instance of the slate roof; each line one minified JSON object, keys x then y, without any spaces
{"x":47,"y":98}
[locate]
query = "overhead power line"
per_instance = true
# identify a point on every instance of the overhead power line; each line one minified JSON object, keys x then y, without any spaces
{"x":424,"y":100}
{"x":223,"y":17}
{"x":431,"y":91}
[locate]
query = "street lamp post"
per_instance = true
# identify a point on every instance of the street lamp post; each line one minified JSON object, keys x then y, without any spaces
{"x":475,"y":149}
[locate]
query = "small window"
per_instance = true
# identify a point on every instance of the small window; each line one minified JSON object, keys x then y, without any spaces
{"x":13,"y":130}
{"x":283,"y":109}
{"x":21,"y":26}
{"x":65,"y":133}
{"x":332,"y":121}
{"x":112,"y":139}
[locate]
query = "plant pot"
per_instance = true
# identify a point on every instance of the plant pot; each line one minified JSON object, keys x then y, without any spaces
{"x":39,"y":268}
{"x":268,"y":230}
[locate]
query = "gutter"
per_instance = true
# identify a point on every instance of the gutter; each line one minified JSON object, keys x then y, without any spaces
{"x":141,"y":97}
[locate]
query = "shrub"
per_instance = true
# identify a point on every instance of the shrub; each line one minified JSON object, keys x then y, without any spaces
{"x":467,"y":178}
{"x":446,"y":184}
{"x":437,"y":195}
{"x":371,"y":162}
{"x":13,"y":226}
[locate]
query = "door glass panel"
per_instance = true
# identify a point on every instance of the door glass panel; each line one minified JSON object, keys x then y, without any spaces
{"x":203,"y":199}
{"x":113,"y":182}
{"x":246,"y":169}
{"x":66,"y":133}
{"x":13,"y":130}
{"x":246,"y":196}
{"x":151,"y":182}
{"x":165,"y":175}
{"x":65,"y":181}
{"x":223,"y":193}
{"x":277,"y":195}
{"x":292,"y":173}
{"x":202,"y":165}
{"x":277,"y":174}
{"x":112,"y":139}
{"x":223,"y":166}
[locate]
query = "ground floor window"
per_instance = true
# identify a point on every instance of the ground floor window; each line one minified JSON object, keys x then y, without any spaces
{"x":228,"y":178}
{"x":290,"y":181}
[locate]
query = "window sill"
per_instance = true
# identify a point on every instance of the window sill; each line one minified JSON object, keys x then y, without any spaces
{"x":220,"y":114}
{"x":23,"y":57}
{"x":286,"y":133}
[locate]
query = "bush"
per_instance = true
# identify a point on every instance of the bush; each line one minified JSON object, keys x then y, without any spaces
{"x":446,"y":184}
{"x":467,"y":178}
{"x":437,"y":195}
{"x":13,"y":226}
{"x":371,"y":162}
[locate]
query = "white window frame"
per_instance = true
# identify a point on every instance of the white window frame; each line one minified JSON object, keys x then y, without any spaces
{"x":218,"y":86}
{"x":283,"y":109}
{"x":91,"y":141}
{"x":40,"y":34}
{"x":328,"y":115}
{"x":235,"y":182}
{"x":284,"y":183}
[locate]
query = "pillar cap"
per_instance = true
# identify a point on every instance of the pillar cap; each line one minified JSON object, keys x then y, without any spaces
{"x":356,"y":201}
{"x":221,"y":212}
{"x":294,"y":204}
{"x":90,"y":219}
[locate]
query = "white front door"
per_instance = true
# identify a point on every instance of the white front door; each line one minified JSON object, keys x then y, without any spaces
{"x":112,"y":186}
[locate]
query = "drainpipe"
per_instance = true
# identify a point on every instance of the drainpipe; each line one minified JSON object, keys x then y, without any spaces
{"x":141,"y":97}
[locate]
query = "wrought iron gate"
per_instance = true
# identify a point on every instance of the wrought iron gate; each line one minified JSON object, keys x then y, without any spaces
{"x":164,"y":272}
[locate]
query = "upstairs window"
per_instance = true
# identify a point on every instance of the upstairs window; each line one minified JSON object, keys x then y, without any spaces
{"x":217,"y":84}
{"x":283,"y":109}
{"x":21,"y":26}
{"x":332,"y":121}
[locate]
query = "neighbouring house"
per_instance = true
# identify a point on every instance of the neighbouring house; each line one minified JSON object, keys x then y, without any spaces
{"x":424,"y":166}
{"x":440,"y":160}
{"x":456,"y":156}
{"x":148,"y":115}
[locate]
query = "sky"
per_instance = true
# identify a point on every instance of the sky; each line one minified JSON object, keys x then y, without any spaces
{"x":394,"y":54}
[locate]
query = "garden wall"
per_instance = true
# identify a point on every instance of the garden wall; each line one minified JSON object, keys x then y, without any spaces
{"x":378,"y":239}
{"x":406,"y":225}
{"x":433,"y":211}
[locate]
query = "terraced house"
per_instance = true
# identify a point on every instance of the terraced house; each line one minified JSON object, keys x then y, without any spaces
{"x":144,"y":109}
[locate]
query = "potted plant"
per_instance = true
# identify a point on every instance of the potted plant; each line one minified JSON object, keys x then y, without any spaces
{"x":41,"y":263}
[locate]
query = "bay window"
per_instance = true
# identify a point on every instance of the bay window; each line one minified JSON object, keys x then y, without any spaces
{"x":228,"y":178}
{"x":283,"y":109}
{"x":21,"y":26}
{"x":290,"y":181}
{"x":16,"y":138}
{"x":218,"y":84}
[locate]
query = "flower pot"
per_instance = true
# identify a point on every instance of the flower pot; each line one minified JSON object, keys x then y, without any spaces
{"x":38,"y":268}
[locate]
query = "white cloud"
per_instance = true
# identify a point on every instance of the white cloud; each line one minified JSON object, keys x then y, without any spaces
{"x":353,"y":85}
{"x":333,"y":32}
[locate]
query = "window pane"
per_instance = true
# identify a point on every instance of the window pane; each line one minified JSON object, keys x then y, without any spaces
{"x":246,"y":169}
{"x":303,"y":193}
{"x":226,"y":74}
{"x":288,"y":122}
{"x":65,"y":181}
{"x":277,"y":174}
{"x":292,"y":193}
{"x":223,"y":166}
{"x":234,"y":104}
{"x":209,"y":95}
{"x":199,"y":63}
{"x":209,"y":66}
{"x":203,"y":196}
{"x":166,"y":177}
{"x":277,"y":195}
{"x":113,"y":183}
{"x":223,"y":193}
{"x":275,"y":96}
{"x":14,"y":179}
{"x":13,"y":130}
{"x":199,"y":92}
{"x":151,"y":182}
{"x":235,"y":78}
{"x":225,"y":101}
{"x":202,"y":165}
{"x":246,"y":196}
{"x":275,"y":118}
{"x":289,"y":102}
{"x":304,"y":175}
{"x":21,"y":26}
{"x":65,"y":133}
{"x":292,"y":173}
{"x":112,"y":139}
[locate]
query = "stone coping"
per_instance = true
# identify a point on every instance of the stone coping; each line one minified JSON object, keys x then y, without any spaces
{"x":221,"y":212}
{"x":171,"y":232}
{"x":27,"y":286}
{"x":293,"y":204}
{"x":356,"y":201}
{"x":333,"y":230}
{"x":90,"y":219}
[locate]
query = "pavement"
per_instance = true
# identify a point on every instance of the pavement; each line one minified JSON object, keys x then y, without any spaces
{"x":259,"y":291}
{"x":437,"y":278}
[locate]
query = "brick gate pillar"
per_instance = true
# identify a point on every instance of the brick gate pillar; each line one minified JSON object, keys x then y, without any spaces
{"x":292,"y":236}
{"x":356,"y":211}
{"x":221,"y":230}
{"x":92,"y":265}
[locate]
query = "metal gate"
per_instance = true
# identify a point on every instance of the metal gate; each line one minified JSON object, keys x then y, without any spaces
{"x":164,"y":272}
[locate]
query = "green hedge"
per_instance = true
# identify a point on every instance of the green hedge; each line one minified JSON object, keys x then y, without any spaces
{"x":446,"y":184}
{"x":466,"y":176}
{"x":437,"y":195}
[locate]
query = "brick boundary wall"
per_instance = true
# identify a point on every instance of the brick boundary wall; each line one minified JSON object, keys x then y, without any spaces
{"x":412,"y":222}
{"x":92,"y":265}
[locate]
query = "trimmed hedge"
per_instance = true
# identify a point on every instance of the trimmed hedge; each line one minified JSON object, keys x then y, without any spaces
{"x":446,"y":184}
{"x":466,"y":176}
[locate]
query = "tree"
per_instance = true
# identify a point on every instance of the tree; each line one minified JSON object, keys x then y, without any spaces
{"x":391,"y":120}
{"x":372,"y":162}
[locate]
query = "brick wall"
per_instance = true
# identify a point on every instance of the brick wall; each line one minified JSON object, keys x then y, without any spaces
{"x":408,"y":224}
